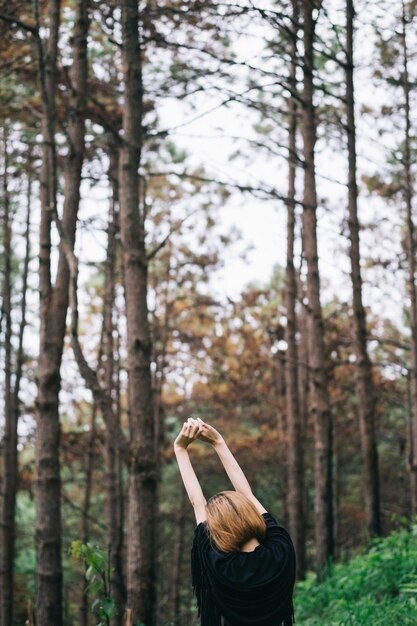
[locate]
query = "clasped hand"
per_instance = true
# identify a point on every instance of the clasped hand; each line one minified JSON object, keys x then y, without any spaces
{"x":195,"y":428}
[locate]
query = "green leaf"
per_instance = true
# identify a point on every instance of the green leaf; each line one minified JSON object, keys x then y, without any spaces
{"x":109,"y":606}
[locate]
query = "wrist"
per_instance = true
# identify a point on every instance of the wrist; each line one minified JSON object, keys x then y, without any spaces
{"x":219,"y":442}
{"x":179,"y":447}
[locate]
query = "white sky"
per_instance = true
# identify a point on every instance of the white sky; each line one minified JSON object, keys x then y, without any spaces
{"x":263,"y":223}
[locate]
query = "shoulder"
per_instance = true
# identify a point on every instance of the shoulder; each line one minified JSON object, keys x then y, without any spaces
{"x":271,"y":521}
{"x":201,"y":534}
{"x":275,"y":532}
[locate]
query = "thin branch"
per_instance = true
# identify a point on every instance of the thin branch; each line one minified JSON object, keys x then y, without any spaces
{"x":13,"y":20}
{"x":172,"y":230}
{"x":263,"y":191}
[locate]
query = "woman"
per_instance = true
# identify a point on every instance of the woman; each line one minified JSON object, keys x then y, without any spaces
{"x":243,"y":562}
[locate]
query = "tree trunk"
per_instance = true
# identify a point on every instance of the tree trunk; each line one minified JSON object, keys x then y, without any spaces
{"x":282,"y":426}
{"x":12,"y":408}
{"x":294,"y":424}
{"x":48,"y":486}
{"x":54,"y":304}
{"x":409,"y":445}
{"x":411,"y":261}
{"x":318,"y":379}
{"x":178,"y":559}
{"x":114,"y":512}
{"x":142,"y":467}
{"x":7,"y":536}
{"x":85,"y":511}
{"x":363,"y":368}
{"x":302,"y":365}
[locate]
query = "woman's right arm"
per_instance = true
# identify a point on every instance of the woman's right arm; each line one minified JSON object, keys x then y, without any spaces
{"x":232,"y":467}
{"x":188,"y":434}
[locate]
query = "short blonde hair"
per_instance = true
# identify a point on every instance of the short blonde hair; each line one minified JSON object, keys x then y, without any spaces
{"x":232,"y":520}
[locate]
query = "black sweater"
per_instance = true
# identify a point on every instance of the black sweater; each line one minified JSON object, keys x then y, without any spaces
{"x":245,"y":588}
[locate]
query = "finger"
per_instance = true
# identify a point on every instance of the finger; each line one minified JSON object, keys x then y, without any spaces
{"x":194,"y":429}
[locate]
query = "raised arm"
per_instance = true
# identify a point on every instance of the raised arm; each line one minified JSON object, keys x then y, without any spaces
{"x":233,"y":470}
{"x":188,"y":434}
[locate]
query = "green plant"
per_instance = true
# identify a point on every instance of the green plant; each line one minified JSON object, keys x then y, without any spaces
{"x":378,"y":587}
{"x":97,"y":574}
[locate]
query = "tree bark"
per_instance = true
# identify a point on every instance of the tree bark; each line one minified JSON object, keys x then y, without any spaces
{"x":178,"y":559}
{"x":10,"y":474}
{"x":302,"y":355}
{"x":409,"y":445}
{"x":282,"y":426}
{"x":7,"y":536}
{"x":85,"y":511}
{"x":114,"y":509}
{"x":363,"y":368}
{"x":294,"y":423}
{"x":48,"y":486}
{"x":318,"y":380}
{"x":411,"y":261}
{"x":142,"y":470}
{"x":54,"y":303}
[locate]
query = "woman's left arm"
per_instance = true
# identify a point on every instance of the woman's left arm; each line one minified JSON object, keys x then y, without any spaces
{"x":188,"y":434}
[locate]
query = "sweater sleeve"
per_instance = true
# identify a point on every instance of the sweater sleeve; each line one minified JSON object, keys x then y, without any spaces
{"x":276,"y":534}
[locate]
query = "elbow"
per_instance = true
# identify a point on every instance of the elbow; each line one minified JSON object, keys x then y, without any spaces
{"x":198,"y":503}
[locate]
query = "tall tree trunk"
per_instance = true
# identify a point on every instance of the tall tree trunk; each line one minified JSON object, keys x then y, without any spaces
{"x":54,"y":304}
{"x":318,"y":381}
{"x":85,"y":511}
{"x":337,"y":488}
{"x":302,"y":365}
{"x":409,"y":444}
{"x":12,"y":408}
{"x":114,"y":512}
{"x":48,"y":486}
{"x":282,"y":425}
{"x":142,"y":466}
{"x":178,"y":559}
{"x":7,"y":529}
{"x":294,"y":424}
{"x":411,"y":259}
{"x":303,"y":381}
{"x":363,"y":368}
{"x":162,"y":323}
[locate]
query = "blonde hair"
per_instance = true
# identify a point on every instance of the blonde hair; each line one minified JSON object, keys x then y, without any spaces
{"x":232,"y":520}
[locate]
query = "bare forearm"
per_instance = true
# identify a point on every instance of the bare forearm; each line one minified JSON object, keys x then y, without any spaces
{"x":235,"y":473}
{"x":233,"y":469}
{"x":190,"y":480}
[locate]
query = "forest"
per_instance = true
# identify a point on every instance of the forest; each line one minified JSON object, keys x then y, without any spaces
{"x":207,"y":208}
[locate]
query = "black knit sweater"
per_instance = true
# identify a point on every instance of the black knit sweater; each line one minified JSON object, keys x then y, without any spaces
{"x":245,"y":588}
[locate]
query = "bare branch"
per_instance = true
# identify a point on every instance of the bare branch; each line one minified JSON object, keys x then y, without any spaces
{"x":13,"y":20}
{"x":172,"y":230}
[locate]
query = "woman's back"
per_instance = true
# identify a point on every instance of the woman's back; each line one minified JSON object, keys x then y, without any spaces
{"x":245,"y":588}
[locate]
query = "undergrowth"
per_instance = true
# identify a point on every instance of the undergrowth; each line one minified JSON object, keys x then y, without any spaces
{"x":378,"y":588}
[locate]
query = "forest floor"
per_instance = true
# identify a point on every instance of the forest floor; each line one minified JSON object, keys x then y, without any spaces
{"x":377,"y":588}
